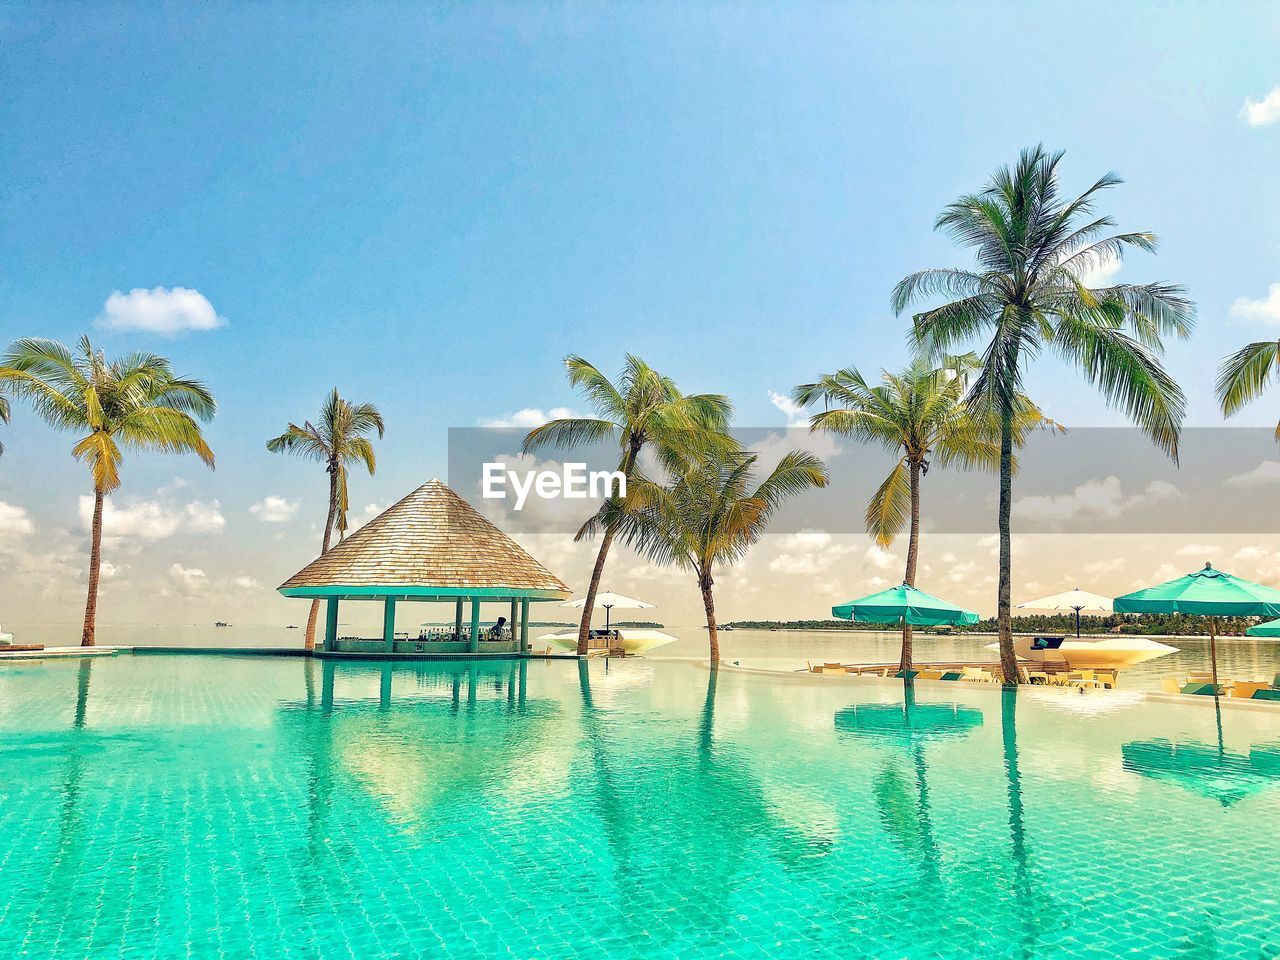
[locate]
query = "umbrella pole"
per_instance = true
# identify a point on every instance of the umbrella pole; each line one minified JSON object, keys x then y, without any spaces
{"x":606,"y":621}
{"x":1213,"y":651}
{"x":1077,"y":609}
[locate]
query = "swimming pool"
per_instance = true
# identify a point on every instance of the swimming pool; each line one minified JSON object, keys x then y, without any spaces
{"x":191,"y":806}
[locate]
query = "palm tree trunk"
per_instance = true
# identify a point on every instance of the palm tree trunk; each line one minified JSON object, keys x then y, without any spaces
{"x":88,"y":635}
{"x":309,"y":641}
{"x":709,"y":604}
{"x":1004,"y":619}
{"x":597,"y":572}
{"x":588,"y":607}
{"x":913,"y":556}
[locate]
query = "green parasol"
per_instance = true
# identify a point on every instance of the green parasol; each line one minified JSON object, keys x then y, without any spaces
{"x":1269,"y":629}
{"x":905,"y":604}
{"x":1206,"y":593}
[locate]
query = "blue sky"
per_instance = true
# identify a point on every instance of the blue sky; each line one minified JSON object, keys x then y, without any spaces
{"x":430,"y":205}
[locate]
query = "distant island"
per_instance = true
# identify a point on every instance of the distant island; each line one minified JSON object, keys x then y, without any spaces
{"x":1147,"y":625}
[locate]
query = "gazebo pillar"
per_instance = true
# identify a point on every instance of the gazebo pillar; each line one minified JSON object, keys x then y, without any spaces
{"x":474,"y":646}
{"x":457,"y":620}
{"x":515,"y":612}
{"x":524,"y":626}
{"x":389,"y":623}
{"x":331,"y":624}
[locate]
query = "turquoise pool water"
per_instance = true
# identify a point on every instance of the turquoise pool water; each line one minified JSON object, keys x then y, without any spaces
{"x":183,"y":806}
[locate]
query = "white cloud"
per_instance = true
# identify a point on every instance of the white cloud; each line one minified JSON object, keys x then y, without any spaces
{"x":797,"y":416}
{"x":881,"y":558}
{"x":15,"y":523}
{"x":107,"y":571}
{"x":190,"y":579}
{"x":357,"y":520}
{"x":1095,"y":567}
{"x":159,"y":310}
{"x":1103,"y":273}
{"x":1264,"y":310}
{"x":1198,"y":550}
{"x":1265,"y":474}
{"x":1261,"y":113}
{"x":245,"y":583}
{"x":531,"y":417}
{"x":810,"y":553}
{"x":1093,"y":499}
{"x":153,"y":520}
{"x":274,"y":509}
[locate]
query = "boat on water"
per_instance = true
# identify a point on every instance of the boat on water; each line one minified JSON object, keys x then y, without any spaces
{"x":630,"y":640}
{"x":1112,"y":653}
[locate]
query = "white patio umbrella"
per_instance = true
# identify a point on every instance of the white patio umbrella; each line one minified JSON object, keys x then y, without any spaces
{"x":1074,"y":600}
{"x":609,"y":601}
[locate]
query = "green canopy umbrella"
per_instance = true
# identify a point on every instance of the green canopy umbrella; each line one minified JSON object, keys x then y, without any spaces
{"x":1206,"y":593}
{"x":1269,"y":629}
{"x":908,"y":722}
{"x":1219,"y":774}
{"x":905,"y":604}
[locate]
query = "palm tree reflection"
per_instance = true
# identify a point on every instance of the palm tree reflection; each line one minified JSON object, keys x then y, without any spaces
{"x":906,"y":728}
{"x":1022,"y":884}
{"x":683,"y":820}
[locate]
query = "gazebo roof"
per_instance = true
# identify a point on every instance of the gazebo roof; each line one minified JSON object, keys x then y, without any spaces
{"x":430,"y":544}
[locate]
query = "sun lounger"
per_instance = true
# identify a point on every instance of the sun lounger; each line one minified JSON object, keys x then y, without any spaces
{"x":951,"y":675}
{"x":1171,"y":684}
{"x":1082,"y":678}
{"x":1198,"y":689}
{"x":977,"y":675}
{"x":1245,"y":689}
{"x":929,"y":674}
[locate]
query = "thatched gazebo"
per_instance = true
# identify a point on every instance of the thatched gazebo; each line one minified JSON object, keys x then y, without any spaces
{"x":432,"y":546}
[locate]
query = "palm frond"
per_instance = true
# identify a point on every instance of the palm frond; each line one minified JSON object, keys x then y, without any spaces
{"x":569,"y":433}
{"x":1245,"y":374}
{"x":889,"y":508}
{"x":1127,"y":374}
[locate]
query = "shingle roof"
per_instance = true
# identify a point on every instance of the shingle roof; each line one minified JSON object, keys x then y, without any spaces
{"x":431,"y":538}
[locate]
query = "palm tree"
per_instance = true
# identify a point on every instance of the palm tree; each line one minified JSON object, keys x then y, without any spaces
{"x":1028,"y":293}
{"x":4,"y":414}
{"x":1244,"y":375}
{"x":711,"y":513}
{"x":340,"y":439}
{"x":132,"y":403}
{"x":643,"y":409}
{"x":920,"y":416}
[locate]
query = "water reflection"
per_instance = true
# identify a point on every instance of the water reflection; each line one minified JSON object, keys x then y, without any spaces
{"x":437,"y":742}
{"x":684,"y":819}
{"x":1024,"y":897}
{"x":1209,"y":771}
{"x":907,"y":726}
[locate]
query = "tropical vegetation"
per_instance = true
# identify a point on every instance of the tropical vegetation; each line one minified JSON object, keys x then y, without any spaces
{"x":134,"y":403}
{"x":710,"y":513}
{"x":643,"y":410}
{"x":340,"y":439}
{"x":1245,"y":375}
{"x":1029,"y":293}
{"x":920,"y":416}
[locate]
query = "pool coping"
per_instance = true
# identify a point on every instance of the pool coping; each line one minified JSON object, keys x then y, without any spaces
{"x":71,"y":653}
{"x":1155,"y":696}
